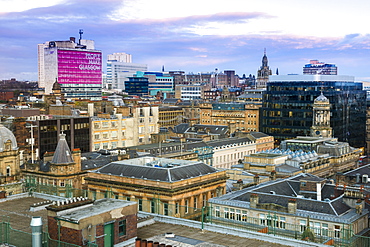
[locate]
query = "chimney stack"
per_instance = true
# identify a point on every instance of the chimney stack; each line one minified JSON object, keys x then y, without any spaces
{"x":253,"y":200}
{"x":318,"y":191}
{"x":292,"y":206}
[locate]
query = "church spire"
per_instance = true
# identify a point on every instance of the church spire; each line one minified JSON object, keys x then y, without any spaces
{"x":264,"y":60}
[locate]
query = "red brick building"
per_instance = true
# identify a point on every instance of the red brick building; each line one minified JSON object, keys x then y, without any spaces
{"x":105,"y":222}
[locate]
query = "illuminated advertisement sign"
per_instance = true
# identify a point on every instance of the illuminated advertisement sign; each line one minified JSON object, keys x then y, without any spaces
{"x":79,"y":67}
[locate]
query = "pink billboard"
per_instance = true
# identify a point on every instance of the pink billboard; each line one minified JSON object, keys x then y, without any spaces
{"x":79,"y":67}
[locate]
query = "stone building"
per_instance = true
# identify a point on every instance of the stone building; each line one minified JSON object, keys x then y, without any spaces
{"x":129,"y":126}
{"x":245,"y":116}
{"x":171,"y":187}
{"x":10,"y":173}
{"x":59,"y":170}
{"x":291,"y":206}
{"x":170,"y":116}
{"x":104,"y":222}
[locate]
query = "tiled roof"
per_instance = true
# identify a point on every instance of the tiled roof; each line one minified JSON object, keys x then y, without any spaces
{"x":166,"y":174}
{"x":62,"y":154}
{"x":227,"y":141}
{"x":280,"y":191}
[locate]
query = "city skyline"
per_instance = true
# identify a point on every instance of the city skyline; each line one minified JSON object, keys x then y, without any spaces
{"x":193,"y":36}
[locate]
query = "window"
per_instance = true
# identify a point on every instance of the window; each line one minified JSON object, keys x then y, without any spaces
{"x":217,"y":211}
{"x":302,"y":224}
{"x":238,"y":215}
{"x":177,"y":207}
{"x":226,"y":213}
{"x":281,"y":223}
{"x":122,"y":227}
{"x":165,"y":208}
{"x":262,"y":219}
{"x":97,"y":146}
{"x":152,"y":206}
{"x":8,"y":173}
{"x":186,"y":206}
{"x":337,"y":231}
{"x":317,"y":228}
{"x":244,"y":215}
{"x":324,"y":228}
{"x":195,"y":203}
{"x":232,"y":214}
{"x":62,"y":183}
{"x":140,"y":205}
{"x":204,"y":200}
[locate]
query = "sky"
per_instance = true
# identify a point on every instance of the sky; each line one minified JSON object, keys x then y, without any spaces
{"x":193,"y":35}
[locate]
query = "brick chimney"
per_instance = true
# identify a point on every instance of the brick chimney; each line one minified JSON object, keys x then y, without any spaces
{"x":273,"y":175}
{"x":253,"y":199}
{"x":256,"y":179}
{"x":359,"y":206}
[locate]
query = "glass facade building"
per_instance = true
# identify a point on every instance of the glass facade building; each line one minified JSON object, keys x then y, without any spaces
{"x":288,"y":101}
{"x":77,"y":130}
{"x":137,"y":85}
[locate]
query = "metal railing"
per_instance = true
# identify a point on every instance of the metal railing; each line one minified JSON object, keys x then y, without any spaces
{"x":203,"y":214}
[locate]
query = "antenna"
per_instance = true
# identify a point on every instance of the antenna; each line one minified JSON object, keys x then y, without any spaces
{"x":80,"y":32}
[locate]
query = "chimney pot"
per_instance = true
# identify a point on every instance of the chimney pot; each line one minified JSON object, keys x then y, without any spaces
{"x":138,"y":242}
{"x":144,"y":243}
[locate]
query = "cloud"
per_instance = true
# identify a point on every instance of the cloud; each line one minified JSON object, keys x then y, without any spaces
{"x":354,"y":41}
{"x":173,"y":42}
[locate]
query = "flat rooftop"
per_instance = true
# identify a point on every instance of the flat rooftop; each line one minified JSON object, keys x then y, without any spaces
{"x":308,"y":139}
{"x":267,"y":155}
{"x":19,"y":216}
{"x":98,"y":207}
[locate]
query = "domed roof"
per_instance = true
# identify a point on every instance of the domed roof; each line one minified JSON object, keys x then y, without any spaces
{"x":321,"y":99}
{"x":5,"y":136}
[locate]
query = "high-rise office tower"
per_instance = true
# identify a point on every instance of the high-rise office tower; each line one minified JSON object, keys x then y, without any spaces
{"x":119,"y":69}
{"x":287,"y":106}
{"x":318,"y":68}
{"x":77,"y":67}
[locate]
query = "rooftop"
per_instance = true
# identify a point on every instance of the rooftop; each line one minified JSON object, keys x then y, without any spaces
{"x":157,"y":169}
{"x":17,"y":211}
{"x":98,"y":207}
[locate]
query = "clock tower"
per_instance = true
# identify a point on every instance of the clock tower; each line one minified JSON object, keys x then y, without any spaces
{"x":321,"y":117}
